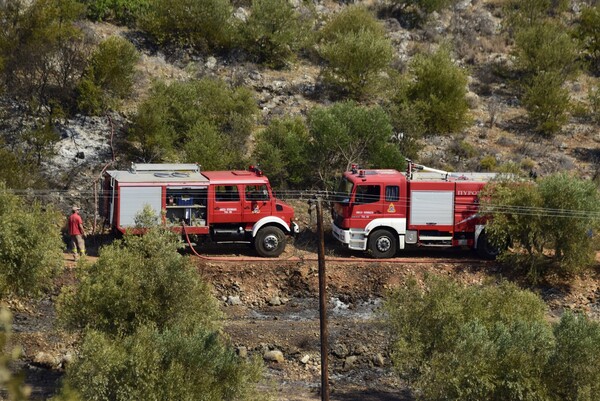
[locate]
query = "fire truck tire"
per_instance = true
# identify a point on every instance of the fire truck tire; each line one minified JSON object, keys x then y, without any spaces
{"x":383,"y":244}
{"x":270,"y":242}
{"x":485,"y":249}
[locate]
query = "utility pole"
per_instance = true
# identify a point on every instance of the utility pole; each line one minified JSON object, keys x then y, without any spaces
{"x":323,"y":307}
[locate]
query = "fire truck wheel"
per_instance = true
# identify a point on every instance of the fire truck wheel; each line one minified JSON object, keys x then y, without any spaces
{"x":269,"y":242}
{"x":485,"y":249}
{"x":383,"y":244}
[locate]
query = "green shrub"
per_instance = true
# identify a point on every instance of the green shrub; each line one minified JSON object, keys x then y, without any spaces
{"x":109,"y":76}
{"x":588,"y":32}
{"x":120,"y":11}
{"x":282,"y":150}
{"x":547,"y":102}
{"x":524,"y":13}
{"x":438,"y":91}
{"x":274,"y":32}
{"x":42,"y":50}
{"x":138,"y":281}
{"x":546,"y":47}
{"x":552,"y":215}
{"x":426,"y":6}
{"x":346,"y":134}
{"x":573,"y":373}
{"x":488,"y":163}
{"x":31,"y":246}
{"x":171,"y":364}
{"x":201,"y":24}
{"x":594,"y":100}
{"x":355,"y":50}
{"x":202,"y":121}
{"x":453,"y":342}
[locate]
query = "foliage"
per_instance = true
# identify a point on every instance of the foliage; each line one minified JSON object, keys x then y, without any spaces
{"x":274,"y":31}
{"x":525,"y":13}
{"x":43,"y":51}
{"x":588,"y":32}
{"x":469,"y":343}
{"x":346,"y":134}
{"x":14,"y":384}
{"x":437,"y":89}
{"x":546,"y":47}
{"x":572,"y":372}
{"x":282,"y":150}
{"x":488,"y":163}
{"x":546,"y":101}
{"x":17,"y":170}
{"x":356,"y":51}
{"x":120,"y":11}
{"x":201,"y":121}
{"x":594,"y":99}
{"x":109,"y":75}
{"x":31,"y":246}
{"x":553,"y":215}
{"x":204,"y":25}
{"x":171,"y":364}
{"x":138,"y":281}
{"x":426,"y":6}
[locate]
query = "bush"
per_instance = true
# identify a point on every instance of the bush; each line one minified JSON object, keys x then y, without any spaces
{"x":488,"y":163}
{"x":356,"y":51}
{"x":109,"y":76}
{"x":552,"y":215}
{"x":200,"y":121}
{"x":426,"y":6}
{"x":546,"y":47}
{"x":201,"y":24}
{"x":438,"y":91}
{"x":138,"y":281}
{"x":524,"y":13}
{"x":282,"y":150}
{"x":572,"y":372}
{"x":547,"y":102}
{"x":274,"y":32}
{"x":42,"y":50}
{"x":589,"y":35}
{"x":120,"y":11}
{"x":171,"y":364}
{"x":594,"y":99}
{"x":346,"y":134}
{"x":469,"y":343}
{"x":31,"y":246}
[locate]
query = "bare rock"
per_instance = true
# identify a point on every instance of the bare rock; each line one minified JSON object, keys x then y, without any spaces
{"x":304,"y":360}
{"x":45,"y":360}
{"x":350,"y":361}
{"x":378,"y":360}
{"x":234,"y":300}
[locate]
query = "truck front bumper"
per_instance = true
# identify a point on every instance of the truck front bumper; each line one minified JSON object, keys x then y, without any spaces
{"x":295,"y":228}
{"x":355,"y":239}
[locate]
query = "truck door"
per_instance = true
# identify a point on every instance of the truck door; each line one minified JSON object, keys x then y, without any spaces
{"x":227,"y":207}
{"x":257,"y":202}
{"x":367,"y":205}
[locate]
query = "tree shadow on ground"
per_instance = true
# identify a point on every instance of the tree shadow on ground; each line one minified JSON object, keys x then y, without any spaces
{"x":373,"y":395}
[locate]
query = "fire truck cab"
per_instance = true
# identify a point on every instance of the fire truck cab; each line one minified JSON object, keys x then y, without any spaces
{"x":382,"y":211}
{"x":223,"y":206}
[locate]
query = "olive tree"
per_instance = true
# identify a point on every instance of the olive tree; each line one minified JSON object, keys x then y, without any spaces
{"x":136,"y":281}
{"x":274,"y":31}
{"x":588,"y":32}
{"x":31,"y":246}
{"x":489,"y":342}
{"x":550,"y":215}
{"x":437,"y":89}
{"x":152,"y":364}
{"x":347,"y":133}
{"x":108,"y":77}
{"x":356,"y":51}
{"x":204,"y":121}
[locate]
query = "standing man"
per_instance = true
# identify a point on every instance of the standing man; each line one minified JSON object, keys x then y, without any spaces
{"x":77,"y":233}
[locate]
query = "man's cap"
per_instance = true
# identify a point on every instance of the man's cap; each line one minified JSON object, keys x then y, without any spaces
{"x":75,"y":208}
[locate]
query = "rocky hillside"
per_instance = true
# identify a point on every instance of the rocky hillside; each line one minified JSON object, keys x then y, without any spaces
{"x":498,"y":133}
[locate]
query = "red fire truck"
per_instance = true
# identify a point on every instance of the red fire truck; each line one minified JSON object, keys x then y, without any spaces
{"x":383,"y":211}
{"x":225,"y":206}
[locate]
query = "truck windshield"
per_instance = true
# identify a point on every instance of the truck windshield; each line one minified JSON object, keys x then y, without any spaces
{"x":344,"y":191}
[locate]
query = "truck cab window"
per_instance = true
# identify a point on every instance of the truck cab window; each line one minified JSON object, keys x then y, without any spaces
{"x":367,"y":194}
{"x":392,"y":193}
{"x":257,"y":193}
{"x":227,"y":193}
